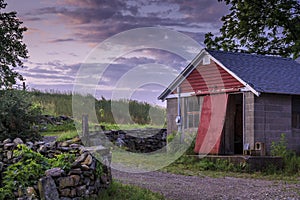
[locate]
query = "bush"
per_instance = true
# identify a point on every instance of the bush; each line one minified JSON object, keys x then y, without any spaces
{"x":291,"y":162}
{"x":17,"y":115}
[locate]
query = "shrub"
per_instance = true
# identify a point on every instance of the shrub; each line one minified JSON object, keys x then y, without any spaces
{"x":291,"y":162}
{"x":17,"y":115}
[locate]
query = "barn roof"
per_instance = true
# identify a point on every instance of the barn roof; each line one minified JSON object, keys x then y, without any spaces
{"x":259,"y":73}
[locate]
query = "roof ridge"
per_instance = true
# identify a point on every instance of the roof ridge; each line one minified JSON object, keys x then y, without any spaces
{"x":249,"y":54}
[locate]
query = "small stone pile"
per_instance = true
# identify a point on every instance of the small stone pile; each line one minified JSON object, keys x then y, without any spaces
{"x":86,"y":178}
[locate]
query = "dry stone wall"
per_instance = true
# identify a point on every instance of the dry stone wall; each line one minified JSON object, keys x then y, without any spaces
{"x":138,"y":140}
{"x":86,"y":178}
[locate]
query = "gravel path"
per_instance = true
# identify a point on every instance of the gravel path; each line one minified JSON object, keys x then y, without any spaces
{"x":179,"y":187}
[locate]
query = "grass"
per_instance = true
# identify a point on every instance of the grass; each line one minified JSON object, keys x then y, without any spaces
{"x":63,"y":132}
{"x":110,"y":126}
{"x":121,"y":191}
{"x":67,"y":135}
{"x":192,"y":167}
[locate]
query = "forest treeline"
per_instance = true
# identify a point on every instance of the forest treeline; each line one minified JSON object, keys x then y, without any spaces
{"x":108,"y":111}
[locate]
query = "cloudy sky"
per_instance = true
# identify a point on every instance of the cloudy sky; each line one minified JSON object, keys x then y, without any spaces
{"x":64,"y":36}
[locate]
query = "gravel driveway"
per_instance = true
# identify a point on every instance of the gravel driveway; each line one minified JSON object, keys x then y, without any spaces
{"x":177,"y":187}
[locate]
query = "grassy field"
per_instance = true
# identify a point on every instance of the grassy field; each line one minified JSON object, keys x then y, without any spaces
{"x":119,"y":191}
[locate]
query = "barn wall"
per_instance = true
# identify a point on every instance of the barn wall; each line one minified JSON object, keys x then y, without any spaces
{"x":171,"y":115}
{"x":273,"y":117}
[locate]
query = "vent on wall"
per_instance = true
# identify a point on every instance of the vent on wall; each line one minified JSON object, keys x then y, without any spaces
{"x":206,"y":60}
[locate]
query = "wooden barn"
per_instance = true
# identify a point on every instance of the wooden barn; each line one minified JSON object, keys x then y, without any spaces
{"x":236,"y":102}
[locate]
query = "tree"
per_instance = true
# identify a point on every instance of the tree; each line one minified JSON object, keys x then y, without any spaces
{"x":17,"y":115}
{"x":259,"y":26}
{"x":12,"y":49}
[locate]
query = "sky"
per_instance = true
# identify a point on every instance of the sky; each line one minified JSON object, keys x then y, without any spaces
{"x":67,"y":39}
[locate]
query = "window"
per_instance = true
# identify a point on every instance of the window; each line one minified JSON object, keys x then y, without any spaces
{"x":296,"y":112}
{"x":192,"y":107}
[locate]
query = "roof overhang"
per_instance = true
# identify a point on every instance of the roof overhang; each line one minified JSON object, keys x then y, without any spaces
{"x":195,"y":62}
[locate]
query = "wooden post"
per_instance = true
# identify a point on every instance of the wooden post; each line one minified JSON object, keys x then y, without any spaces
{"x":24,"y":85}
{"x":85,"y":130}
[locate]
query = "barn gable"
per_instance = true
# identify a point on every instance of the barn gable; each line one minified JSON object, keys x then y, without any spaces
{"x":210,"y":78}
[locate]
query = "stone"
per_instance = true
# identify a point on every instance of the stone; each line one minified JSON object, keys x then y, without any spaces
{"x":47,"y":189}
{"x":9,"y":155}
{"x":88,"y":160}
{"x":38,"y":143}
{"x":83,"y":150}
{"x":87,"y":173}
{"x":69,"y":181}
{"x":65,"y":192}
{"x":85,"y":167}
{"x":76,"y":179}
{"x":80,"y":191}
{"x":73,"y":192}
{"x":66,"y":182}
{"x":7,"y":141}
{"x":54,"y":172}
{"x":51,"y":145}
{"x":75,"y":146}
{"x":87,"y":181}
{"x":18,"y":141}
{"x":9,"y":146}
{"x":65,"y":148}
{"x":65,"y":144}
{"x":82,"y":157}
{"x":75,"y":171}
{"x":65,"y":198}
{"x":29,"y":145}
{"x":92,"y":177}
{"x":75,"y":164}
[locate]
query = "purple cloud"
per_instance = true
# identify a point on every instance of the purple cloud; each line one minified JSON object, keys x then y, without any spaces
{"x":93,"y":21}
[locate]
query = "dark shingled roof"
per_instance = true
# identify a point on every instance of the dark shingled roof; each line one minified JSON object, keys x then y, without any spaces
{"x":269,"y":74}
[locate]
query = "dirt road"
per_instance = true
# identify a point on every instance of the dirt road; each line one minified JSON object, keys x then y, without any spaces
{"x":179,"y":187}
